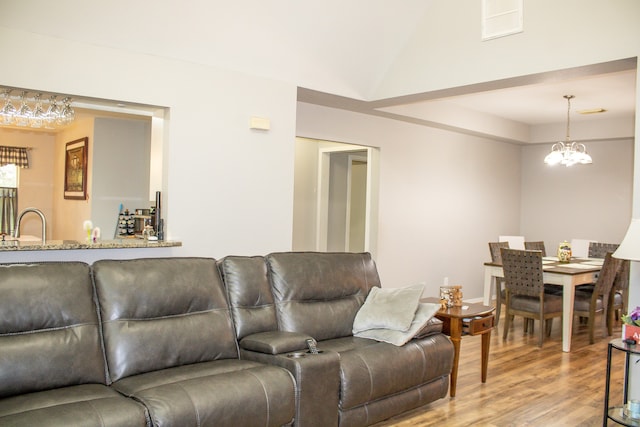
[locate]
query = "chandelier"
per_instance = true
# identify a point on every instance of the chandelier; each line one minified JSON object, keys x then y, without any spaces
{"x":568,"y":153}
{"x":39,"y":111}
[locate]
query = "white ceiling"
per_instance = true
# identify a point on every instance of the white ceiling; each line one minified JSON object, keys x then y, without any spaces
{"x":337,"y":46}
{"x":544,"y":103}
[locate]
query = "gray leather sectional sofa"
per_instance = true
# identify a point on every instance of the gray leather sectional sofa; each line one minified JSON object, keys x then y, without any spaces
{"x":199,"y":342}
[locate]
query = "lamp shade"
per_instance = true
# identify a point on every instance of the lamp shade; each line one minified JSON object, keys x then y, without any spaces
{"x":630,"y":246}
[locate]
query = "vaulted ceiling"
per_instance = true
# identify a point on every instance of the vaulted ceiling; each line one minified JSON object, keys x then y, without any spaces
{"x":338,"y":52}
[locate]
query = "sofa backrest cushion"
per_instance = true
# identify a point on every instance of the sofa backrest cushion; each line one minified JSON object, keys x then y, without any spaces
{"x":162,"y":312}
{"x":249,"y":292}
{"x":320,"y":293}
{"x":49,"y":328}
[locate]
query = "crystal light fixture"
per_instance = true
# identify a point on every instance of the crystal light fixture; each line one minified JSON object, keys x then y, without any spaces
{"x":31,"y":112}
{"x":568,"y":153}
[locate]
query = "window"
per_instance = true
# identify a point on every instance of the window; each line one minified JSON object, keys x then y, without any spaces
{"x":8,"y":198}
{"x":9,"y":176}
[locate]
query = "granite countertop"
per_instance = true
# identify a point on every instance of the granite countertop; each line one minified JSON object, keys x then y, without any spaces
{"x":36,"y":245}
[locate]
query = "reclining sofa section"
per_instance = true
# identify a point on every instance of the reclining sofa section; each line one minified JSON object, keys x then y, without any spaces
{"x":52,"y":370}
{"x":169,"y":343}
{"x":279,"y":301}
{"x":167,"y":355}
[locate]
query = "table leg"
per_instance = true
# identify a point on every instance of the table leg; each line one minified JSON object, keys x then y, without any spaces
{"x":568,"y":294}
{"x":456,"y":336}
{"x":486,"y":340}
{"x":489,"y":284}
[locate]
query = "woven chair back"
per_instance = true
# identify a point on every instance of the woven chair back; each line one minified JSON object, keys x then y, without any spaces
{"x":494,"y":249}
{"x":522,"y":272}
{"x":536,"y":246}
{"x":610,"y":268}
{"x":599,"y":250}
{"x":621,"y":282}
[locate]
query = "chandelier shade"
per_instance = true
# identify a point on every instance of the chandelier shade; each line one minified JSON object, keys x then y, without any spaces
{"x":565,"y":152}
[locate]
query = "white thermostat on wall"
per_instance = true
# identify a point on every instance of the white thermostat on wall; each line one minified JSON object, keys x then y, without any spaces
{"x":260,"y":123}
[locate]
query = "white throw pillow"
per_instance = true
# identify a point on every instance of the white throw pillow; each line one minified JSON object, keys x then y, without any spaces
{"x":392,"y":308}
{"x":424,"y":313}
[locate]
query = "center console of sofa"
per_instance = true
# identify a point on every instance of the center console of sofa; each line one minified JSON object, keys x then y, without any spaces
{"x":281,"y":300}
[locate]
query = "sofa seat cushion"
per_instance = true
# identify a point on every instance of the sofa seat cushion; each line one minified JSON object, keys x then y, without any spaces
{"x":552,"y":303}
{"x":221,"y":393}
{"x":83,"y":405}
{"x":582,"y":302}
{"x":371,"y":370}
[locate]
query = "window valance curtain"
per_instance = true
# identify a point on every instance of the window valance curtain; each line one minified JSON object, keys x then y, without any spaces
{"x":14,"y":155}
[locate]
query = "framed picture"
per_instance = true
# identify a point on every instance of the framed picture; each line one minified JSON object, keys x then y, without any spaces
{"x":75,"y":169}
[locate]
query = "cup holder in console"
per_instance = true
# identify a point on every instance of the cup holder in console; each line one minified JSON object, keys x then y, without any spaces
{"x":299,"y":354}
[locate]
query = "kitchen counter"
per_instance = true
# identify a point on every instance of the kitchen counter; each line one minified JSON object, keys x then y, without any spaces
{"x":56,"y":245}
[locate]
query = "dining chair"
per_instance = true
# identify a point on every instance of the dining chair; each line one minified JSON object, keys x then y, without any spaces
{"x":536,"y":246}
{"x":525,"y":291}
{"x":496,"y":257}
{"x":588,"y":303}
{"x":599,"y":250}
{"x":539,"y":246}
{"x":619,"y":294}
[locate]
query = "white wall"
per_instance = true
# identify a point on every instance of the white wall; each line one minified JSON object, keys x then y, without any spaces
{"x":447,"y":51}
{"x":439,"y":205}
{"x":583,"y":201}
{"x":305,"y":195}
{"x":69,"y":215}
{"x":227,"y":189}
{"x":120,"y":174}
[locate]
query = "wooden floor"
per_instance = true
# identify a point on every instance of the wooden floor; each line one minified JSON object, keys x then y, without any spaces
{"x":526,"y":385}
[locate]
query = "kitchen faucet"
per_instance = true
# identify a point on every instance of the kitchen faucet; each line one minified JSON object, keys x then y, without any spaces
{"x":40,"y":214}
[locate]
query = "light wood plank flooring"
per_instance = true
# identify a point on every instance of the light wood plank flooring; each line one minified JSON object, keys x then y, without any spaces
{"x":526,"y":385}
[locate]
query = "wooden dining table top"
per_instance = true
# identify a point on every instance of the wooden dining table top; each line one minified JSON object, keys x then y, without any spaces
{"x":575,"y":266}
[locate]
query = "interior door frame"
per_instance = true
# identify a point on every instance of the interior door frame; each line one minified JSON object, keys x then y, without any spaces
{"x":358,"y":157}
{"x":371,"y":215}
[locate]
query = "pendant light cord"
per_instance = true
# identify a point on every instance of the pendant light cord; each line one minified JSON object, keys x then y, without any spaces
{"x":568,"y":98}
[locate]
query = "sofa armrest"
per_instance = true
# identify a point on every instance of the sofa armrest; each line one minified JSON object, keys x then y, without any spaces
{"x":274,"y":342}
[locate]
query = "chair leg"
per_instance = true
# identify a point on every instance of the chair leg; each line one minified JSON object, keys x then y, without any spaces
{"x":591,"y":329}
{"x":610,"y":313}
{"x":549,"y":325}
{"x":507,"y":320}
{"x":498,"y":300}
{"x":541,"y":332}
{"x":529,"y":326}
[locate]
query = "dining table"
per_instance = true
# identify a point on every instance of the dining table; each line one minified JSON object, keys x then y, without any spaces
{"x":578,"y":271}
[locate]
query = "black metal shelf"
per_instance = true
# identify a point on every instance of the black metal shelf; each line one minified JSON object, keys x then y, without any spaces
{"x":617,"y":413}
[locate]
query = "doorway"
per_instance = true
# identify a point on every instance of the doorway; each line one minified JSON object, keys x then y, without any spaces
{"x":335,"y":197}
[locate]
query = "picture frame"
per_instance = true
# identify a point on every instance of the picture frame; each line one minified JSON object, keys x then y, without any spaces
{"x":75,"y":169}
